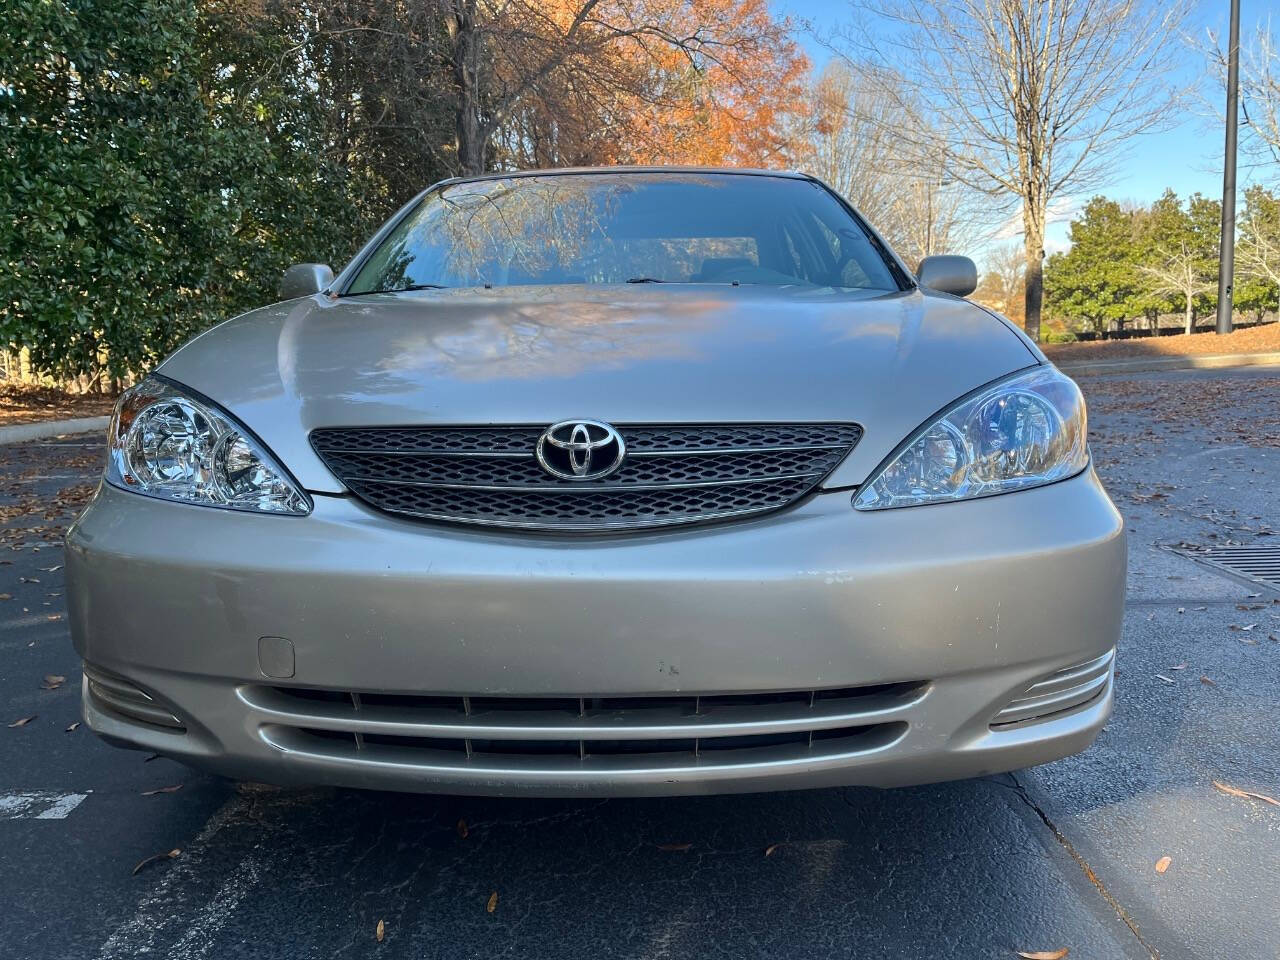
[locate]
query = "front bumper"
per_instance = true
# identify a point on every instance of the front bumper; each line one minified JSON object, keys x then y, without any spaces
{"x":929,"y":621}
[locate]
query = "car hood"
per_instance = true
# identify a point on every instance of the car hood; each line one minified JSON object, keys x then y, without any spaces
{"x":653,"y":354}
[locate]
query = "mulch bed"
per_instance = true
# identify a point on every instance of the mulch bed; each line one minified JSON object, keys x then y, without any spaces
{"x":22,"y":403}
{"x":1263,"y":339}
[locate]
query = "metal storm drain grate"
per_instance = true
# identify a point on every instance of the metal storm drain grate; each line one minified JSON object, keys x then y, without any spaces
{"x":1260,"y":564}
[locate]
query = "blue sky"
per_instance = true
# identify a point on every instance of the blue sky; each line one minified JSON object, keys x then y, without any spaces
{"x":1186,"y":157}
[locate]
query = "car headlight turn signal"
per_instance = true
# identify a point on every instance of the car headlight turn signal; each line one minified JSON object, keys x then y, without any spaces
{"x":166,"y":443}
{"x":1025,"y":431}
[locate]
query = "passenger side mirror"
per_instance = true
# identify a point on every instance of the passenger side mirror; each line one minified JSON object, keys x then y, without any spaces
{"x":948,"y":274}
{"x":304,"y":279}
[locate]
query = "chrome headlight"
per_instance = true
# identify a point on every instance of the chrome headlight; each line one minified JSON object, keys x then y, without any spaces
{"x":165,"y":443}
{"x":1023,"y":432}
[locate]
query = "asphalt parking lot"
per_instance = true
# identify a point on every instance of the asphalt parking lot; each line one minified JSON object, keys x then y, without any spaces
{"x":1060,"y":856}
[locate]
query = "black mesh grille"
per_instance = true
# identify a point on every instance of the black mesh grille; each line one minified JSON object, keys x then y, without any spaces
{"x":671,"y":474}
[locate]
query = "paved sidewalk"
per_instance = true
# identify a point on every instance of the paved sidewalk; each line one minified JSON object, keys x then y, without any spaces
{"x":43,"y":430}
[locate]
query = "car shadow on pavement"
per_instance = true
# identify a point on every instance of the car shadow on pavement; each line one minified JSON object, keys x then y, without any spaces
{"x":851,"y":872}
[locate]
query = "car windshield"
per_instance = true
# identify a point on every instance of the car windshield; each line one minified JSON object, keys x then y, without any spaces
{"x":626,"y":227}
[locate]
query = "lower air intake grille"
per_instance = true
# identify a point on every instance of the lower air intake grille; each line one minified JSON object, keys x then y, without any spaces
{"x":119,"y":696}
{"x":562,"y":732}
{"x":1065,"y":690}
{"x":670,"y":475}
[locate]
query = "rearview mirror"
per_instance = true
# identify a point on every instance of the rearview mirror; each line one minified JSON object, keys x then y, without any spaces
{"x":304,"y":279}
{"x":948,"y":274}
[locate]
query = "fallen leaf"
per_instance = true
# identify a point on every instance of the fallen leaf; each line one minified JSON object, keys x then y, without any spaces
{"x":24,"y":721}
{"x":53,"y":616}
{"x":156,"y":858}
{"x":6,"y":596}
{"x":1163,"y":864}
{"x":28,"y":580}
{"x":52,"y":681}
{"x":675,"y":847}
{"x":73,"y":726}
{"x":1201,"y":608}
{"x":1161,"y":676}
{"x":53,"y":569}
{"x":380,"y":931}
{"x":492,"y":905}
{"x":1044,"y":954}
{"x":768,"y":851}
{"x":1245,"y":794}
{"x":462,"y":829}
{"x":1205,"y":680}
{"x":1181,"y":666}
{"x":172,"y":789}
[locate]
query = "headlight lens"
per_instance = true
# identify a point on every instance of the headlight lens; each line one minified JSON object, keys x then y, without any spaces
{"x":164,"y":443}
{"x":1024,"y":432}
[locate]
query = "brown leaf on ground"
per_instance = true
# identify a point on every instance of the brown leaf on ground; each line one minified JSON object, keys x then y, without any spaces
{"x":1044,"y":954}
{"x":675,"y":847}
{"x":492,"y":905}
{"x":171,"y":789}
{"x":6,"y":596}
{"x":380,"y":931}
{"x":1206,"y":681}
{"x":23,"y":721}
{"x":1163,"y":864}
{"x":73,"y":726}
{"x":768,"y":851}
{"x":156,"y":858}
{"x":1245,"y":794}
{"x":53,"y":681}
{"x":462,"y":829}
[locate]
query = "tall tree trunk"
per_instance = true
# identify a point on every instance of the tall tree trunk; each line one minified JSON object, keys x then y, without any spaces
{"x":1034,"y":285}
{"x":1191,"y":316}
{"x":1034,"y":209}
{"x":470,"y":134}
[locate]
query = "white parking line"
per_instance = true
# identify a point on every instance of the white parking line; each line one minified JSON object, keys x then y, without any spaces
{"x":162,"y":916}
{"x":38,"y":805}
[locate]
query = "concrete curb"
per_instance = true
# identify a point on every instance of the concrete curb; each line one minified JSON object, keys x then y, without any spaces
{"x":21,"y":432}
{"x":1144,"y":364}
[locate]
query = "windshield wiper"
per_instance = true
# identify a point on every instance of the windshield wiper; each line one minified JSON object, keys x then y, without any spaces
{"x":646,"y":280}
{"x":412,"y":286}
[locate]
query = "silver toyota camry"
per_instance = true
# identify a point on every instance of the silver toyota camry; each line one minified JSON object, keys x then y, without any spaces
{"x":616,"y":482}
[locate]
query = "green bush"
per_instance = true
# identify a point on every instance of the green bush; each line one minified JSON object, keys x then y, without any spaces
{"x":161,"y":169}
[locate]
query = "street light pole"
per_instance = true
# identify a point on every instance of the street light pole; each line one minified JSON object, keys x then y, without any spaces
{"x":1226,"y":259}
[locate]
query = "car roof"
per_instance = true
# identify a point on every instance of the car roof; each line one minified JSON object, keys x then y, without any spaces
{"x":655,"y":168}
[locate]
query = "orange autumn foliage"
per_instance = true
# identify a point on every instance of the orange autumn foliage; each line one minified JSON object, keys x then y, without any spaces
{"x":649,"y":81}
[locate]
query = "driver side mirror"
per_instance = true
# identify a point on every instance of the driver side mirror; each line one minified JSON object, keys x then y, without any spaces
{"x":304,"y":279}
{"x":948,"y":274}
